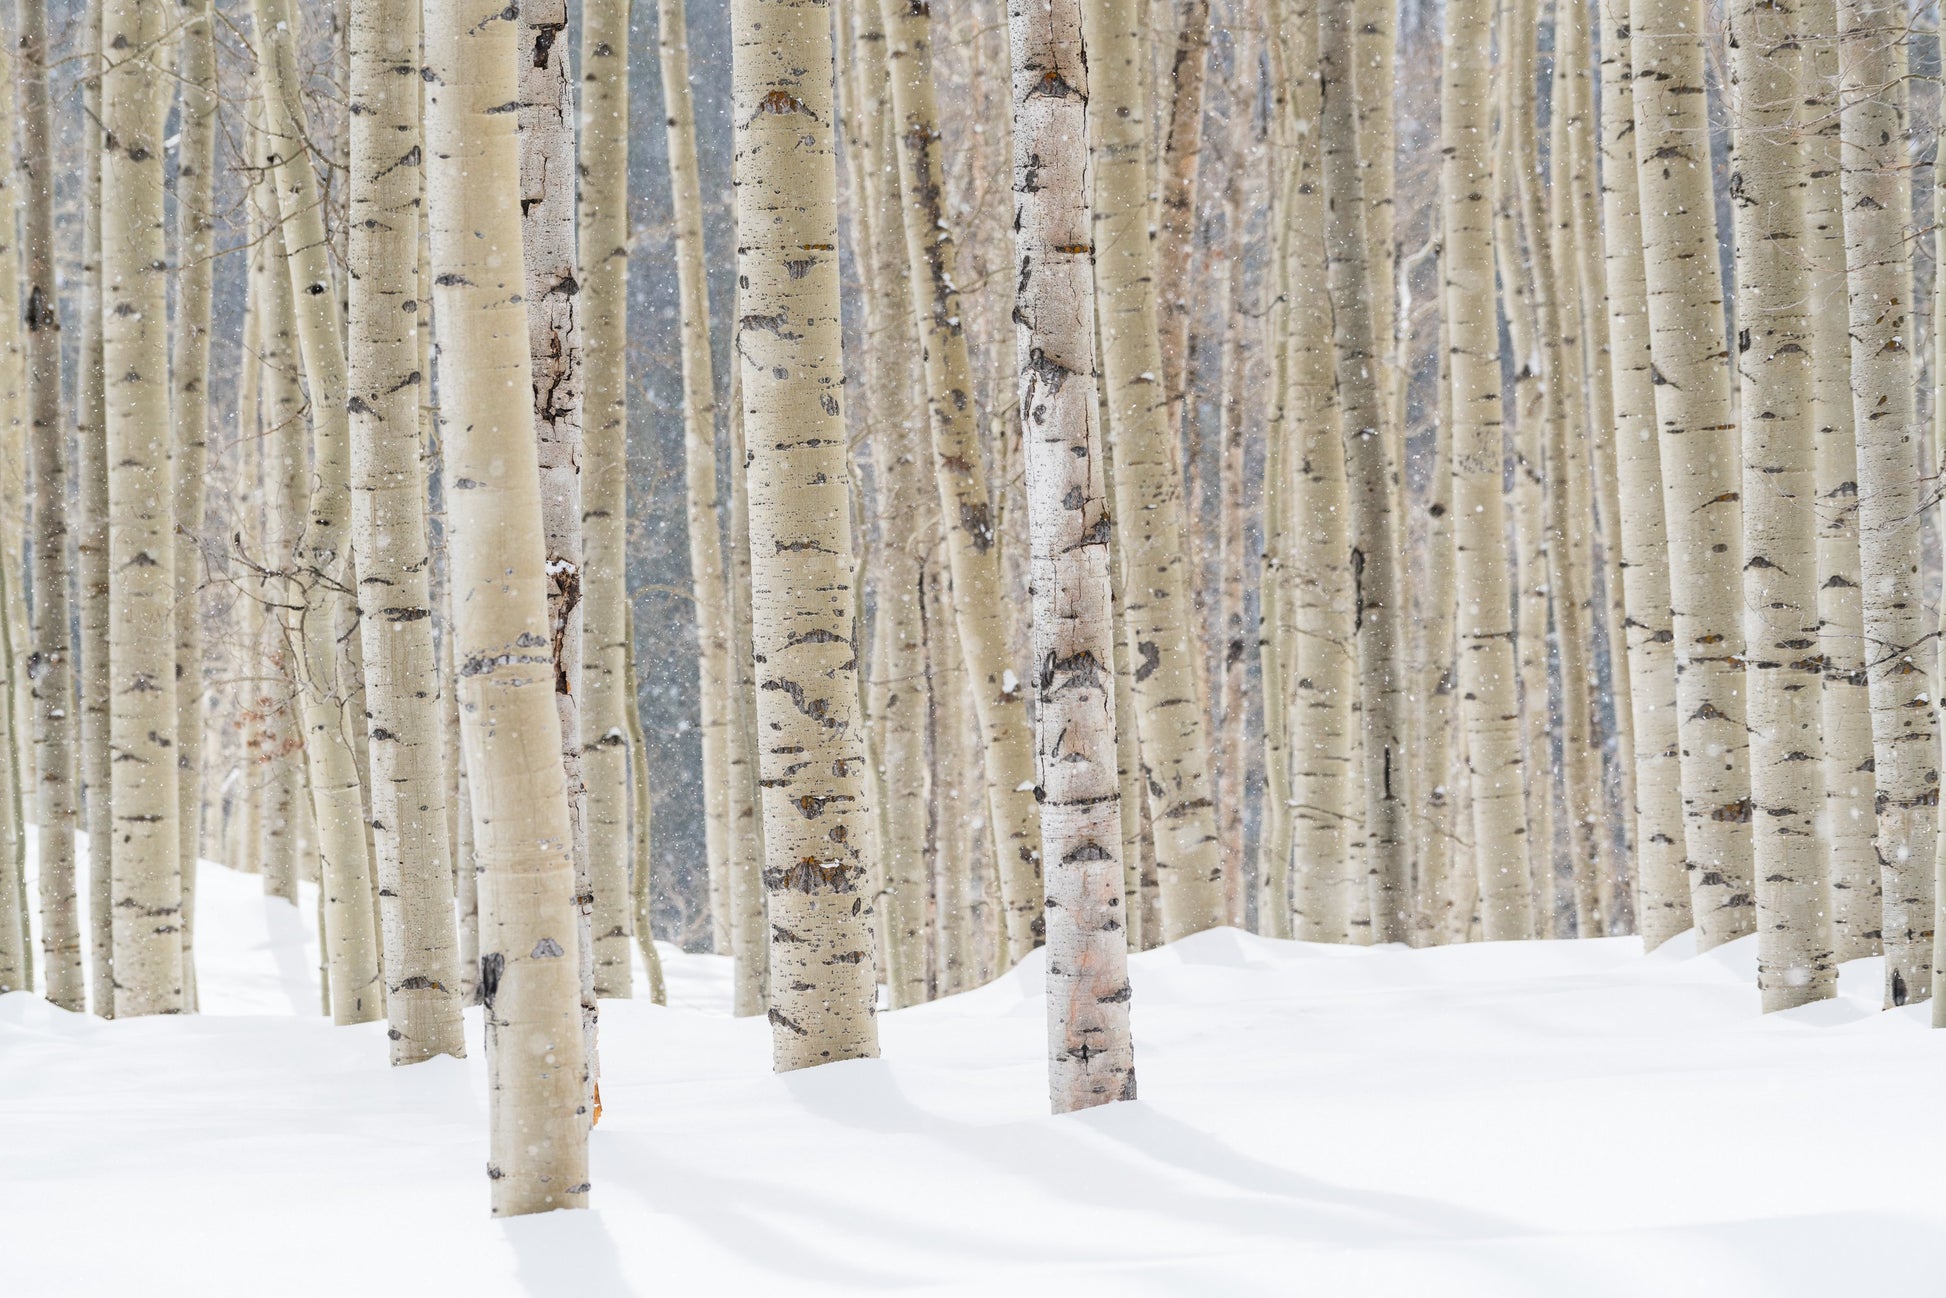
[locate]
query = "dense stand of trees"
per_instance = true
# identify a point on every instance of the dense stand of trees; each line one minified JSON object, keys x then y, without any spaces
{"x":1554,"y":386}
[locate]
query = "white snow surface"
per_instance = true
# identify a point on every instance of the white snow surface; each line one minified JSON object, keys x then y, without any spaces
{"x":1548,"y":1118}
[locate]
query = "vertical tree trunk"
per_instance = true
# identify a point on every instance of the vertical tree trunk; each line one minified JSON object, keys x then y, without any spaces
{"x":402,"y":685}
{"x":816,"y":835}
{"x":640,"y":882}
{"x":1373,"y":491}
{"x":323,"y":610}
{"x":530,"y":930}
{"x":981,"y":612}
{"x":1090,"y":1056}
{"x":1878,"y":210}
{"x":189,"y":384}
{"x":1662,"y":890}
{"x":52,"y":665}
{"x":714,"y":671}
{"x":1372,"y":33}
{"x":1169,"y":703}
{"x":1182,"y":147}
{"x":142,"y":712}
{"x":749,"y":937}
{"x":1697,"y":440}
{"x":91,"y":543}
{"x":1780,"y":593}
{"x":1489,"y":672}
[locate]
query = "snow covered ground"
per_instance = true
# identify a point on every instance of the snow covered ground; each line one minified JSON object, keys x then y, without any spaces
{"x":1537,"y":1119}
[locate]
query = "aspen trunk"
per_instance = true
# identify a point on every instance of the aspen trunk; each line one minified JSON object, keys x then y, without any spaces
{"x":1849,"y":782}
{"x":816,"y":834}
{"x":52,"y":667}
{"x":530,"y":930}
{"x":1697,"y":440}
{"x":1489,"y":673}
{"x":1182,"y":147}
{"x":322,"y":609}
{"x":714,"y":673}
{"x":1662,"y":891}
{"x":547,"y":195}
{"x":388,"y":479}
{"x":189,"y":384}
{"x":1878,"y":209}
{"x":981,"y":610}
{"x":1780,"y":594}
{"x":749,"y":942}
{"x":1169,"y":704}
{"x":641,"y":886}
{"x":1090,"y":1056}
{"x":91,"y":542}
{"x":147,"y":901}
{"x":1372,"y":489}
{"x":1372,"y":33}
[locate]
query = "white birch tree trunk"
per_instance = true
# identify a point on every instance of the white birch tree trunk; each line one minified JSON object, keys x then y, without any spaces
{"x":817,"y":840}
{"x":530,"y":930}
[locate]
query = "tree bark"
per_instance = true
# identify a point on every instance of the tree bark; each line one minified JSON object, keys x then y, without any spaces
{"x":1662,"y":890}
{"x":389,"y":485}
{"x":1878,"y":212}
{"x":817,"y":841}
{"x":1169,"y":704}
{"x":149,"y":977}
{"x":1780,"y":594}
{"x":1697,"y":440}
{"x":1091,"y":1059}
{"x":51,"y":669}
{"x":530,"y":930}
{"x":1489,"y":672}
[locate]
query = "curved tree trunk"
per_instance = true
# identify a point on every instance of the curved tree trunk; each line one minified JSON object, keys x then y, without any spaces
{"x":530,"y":929}
{"x":142,"y":712}
{"x":388,"y":480}
{"x":1662,"y":891}
{"x":1169,"y":706}
{"x":52,"y":666}
{"x":1489,"y":673}
{"x":1878,"y":220}
{"x":981,"y":613}
{"x":1780,"y":593}
{"x":816,"y":836}
{"x":1090,"y":1056}
{"x":323,"y":609}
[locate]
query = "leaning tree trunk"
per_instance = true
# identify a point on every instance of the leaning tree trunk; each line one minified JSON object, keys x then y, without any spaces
{"x":1662,"y":891}
{"x":1780,"y":576}
{"x":1091,"y":1059}
{"x":1489,"y":672}
{"x":322,"y":609}
{"x":91,"y":542}
{"x":817,"y":839}
{"x":1697,"y":441}
{"x":52,"y":667}
{"x":149,"y":976}
{"x":1899,"y":665}
{"x":1373,"y":491}
{"x":717,"y":708}
{"x":1169,"y":706}
{"x":981,"y":612}
{"x":388,"y":478}
{"x":530,"y":930}
{"x":547,"y":189}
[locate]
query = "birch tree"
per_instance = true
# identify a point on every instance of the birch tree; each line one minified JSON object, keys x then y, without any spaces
{"x":817,"y":840}
{"x":388,"y":479}
{"x":1169,"y":704}
{"x":1488,"y":670}
{"x":1899,"y":668}
{"x":1697,"y":439}
{"x":1090,"y":1055}
{"x":530,"y":930}
{"x":147,"y":899}
{"x":1780,"y":597}
{"x":51,"y":668}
